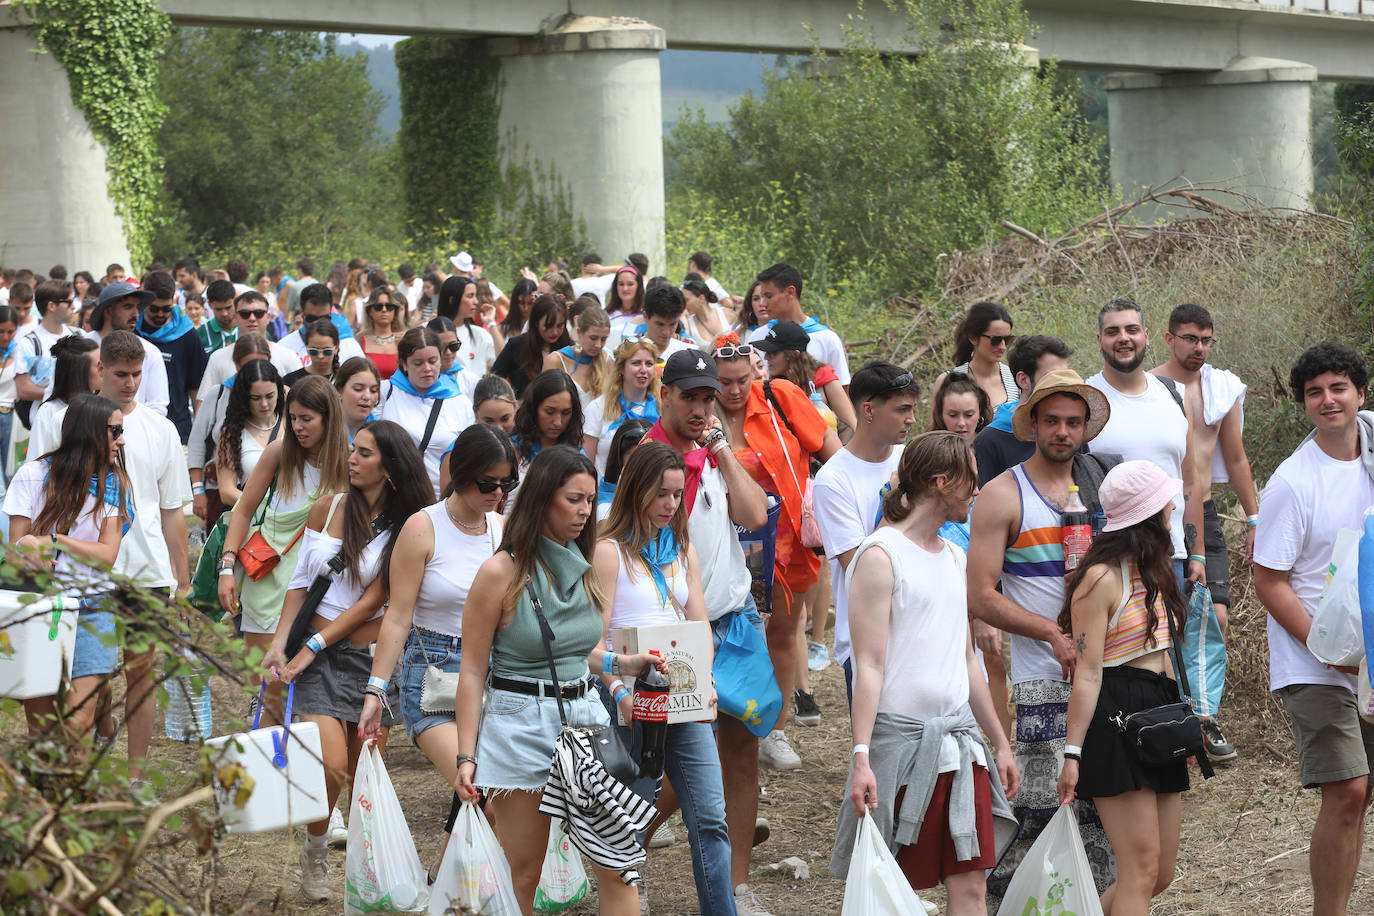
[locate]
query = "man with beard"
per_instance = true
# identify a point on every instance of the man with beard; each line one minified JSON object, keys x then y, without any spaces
{"x":1216,"y":405}
{"x":1151,"y":422}
{"x":1016,"y":539}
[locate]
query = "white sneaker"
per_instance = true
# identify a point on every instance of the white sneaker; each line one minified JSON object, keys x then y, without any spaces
{"x":747,"y":904}
{"x":777,"y":753}
{"x":315,"y":872}
{"x":663,"y":838}
{"x":338,"y":833}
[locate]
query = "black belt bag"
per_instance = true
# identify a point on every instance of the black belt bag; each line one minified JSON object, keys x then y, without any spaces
{"x":1164,"y":735}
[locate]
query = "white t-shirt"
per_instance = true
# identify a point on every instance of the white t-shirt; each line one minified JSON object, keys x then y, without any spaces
{"x":714,"y":286}
{"x":412,"y":291}
{"x":23,"y":347}
{"x":595,"y":424}
{"x":152,"y":388}
{"x":846,"y":503}
{"x":45,"y":430}
{"x":156,"y":466}
{"x":1150,"y":427}
{"x":725,"y":579}
{"x":348,"y":347}
{"x":1310,"y":497}
{"x":25,"y":497}
{"x":476,"y":349}
{"x":929,"y":621}
{"x":413,"y":413}
{"x":599,"y":286}
{"x":825,"y":346}
{"x":220,"y":367}
{"x":700,"y":339}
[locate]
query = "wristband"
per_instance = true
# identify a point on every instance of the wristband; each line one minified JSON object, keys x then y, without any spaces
{"x":198,"y":489}
{"x":377,"y":692}
{"x":226,"y":570}
{"x":1194,"y":558}
{"x":1252,"y":520}
{"x":616,"y":685}
{"x":231,"y":554}
{"x":859,"y":749}
{"x":718,"y":446}
{"x":317,"y":645}
{"x":1072,"y":749}
{"x":374,"y":681}
{"x":620,"y":694}
{"x":1071,"y":756}
{"x":467,"y":758}
{"x":607,"y":662}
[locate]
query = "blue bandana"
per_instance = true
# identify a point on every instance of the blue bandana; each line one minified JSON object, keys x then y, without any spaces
{"x":443,"y":387}
{"x":9,"y":349}
{"x":810,"y":325}
{"x":176,"y":327}
{"x":114,"y":495}
{"x":572,"y":355}
{"x":340,"y":323}
{"x":636,"y":410}
{"x":659,"y":552}
{"x":1001,"y":417}
{"x":605,"y":492}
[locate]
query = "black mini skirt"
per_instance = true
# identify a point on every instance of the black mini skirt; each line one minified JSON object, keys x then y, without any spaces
{"x":1109,"y":765}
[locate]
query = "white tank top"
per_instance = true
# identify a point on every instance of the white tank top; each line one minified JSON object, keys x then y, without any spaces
{"x":317,"y":549}
{"x":250,"y":450}
{"x":300,"y":494}
{"x":637,"y":602}
{"x":450,"y":571}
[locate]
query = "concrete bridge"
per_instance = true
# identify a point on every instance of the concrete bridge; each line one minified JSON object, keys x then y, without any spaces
{"x":1210,"y":89}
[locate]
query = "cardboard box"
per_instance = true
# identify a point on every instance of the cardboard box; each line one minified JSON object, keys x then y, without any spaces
{"x":687,"y":648}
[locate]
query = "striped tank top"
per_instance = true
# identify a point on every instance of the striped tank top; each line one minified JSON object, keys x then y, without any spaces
{"x":1033,"y":577}
{"x":1127,"y":637}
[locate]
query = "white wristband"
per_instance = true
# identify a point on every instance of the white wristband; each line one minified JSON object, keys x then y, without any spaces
{"x":1072,"y":749}
{"x":859,"y":749}
{"x":616,"y":685}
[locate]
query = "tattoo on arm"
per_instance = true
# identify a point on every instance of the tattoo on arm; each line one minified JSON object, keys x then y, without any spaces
{"x":1082,"y":644}
{"x":1189,"y":537}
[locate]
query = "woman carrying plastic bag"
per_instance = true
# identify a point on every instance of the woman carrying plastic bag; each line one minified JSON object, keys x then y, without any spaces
{"x":382,"y":872}
{"x":1055,"y":876}
{"x":474,"y":875}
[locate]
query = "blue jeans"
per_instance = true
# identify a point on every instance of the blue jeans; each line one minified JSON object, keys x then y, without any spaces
{"x":692,"y":766}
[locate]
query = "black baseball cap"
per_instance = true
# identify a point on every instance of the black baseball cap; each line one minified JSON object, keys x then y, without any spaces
{"x":688,"y":369}
{"x":785,"y":335}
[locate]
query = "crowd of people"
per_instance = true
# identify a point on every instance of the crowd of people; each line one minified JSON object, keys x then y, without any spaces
{"x":455,"y":481}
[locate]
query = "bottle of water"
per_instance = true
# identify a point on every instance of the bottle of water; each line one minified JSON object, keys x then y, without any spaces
{"x":188,"y":714}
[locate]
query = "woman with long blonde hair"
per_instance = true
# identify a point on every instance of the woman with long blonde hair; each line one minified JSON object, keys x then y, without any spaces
{"x":630,"y":390}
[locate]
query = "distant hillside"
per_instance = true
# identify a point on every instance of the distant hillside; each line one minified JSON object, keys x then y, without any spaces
{"x":710,"y":80}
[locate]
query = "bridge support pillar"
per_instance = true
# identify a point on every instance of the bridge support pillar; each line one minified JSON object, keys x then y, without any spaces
{"x":54,"y":206}
{"x":1247,"y":127}
{"x":584,"y":98}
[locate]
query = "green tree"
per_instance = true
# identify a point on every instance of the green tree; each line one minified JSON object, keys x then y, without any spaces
{"x":269,"y":132}
{"x":887,"y":161}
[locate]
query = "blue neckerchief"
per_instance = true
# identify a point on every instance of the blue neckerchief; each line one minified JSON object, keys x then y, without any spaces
{"x":371,"y":418}
{"x":9,"y":349}
{"x":443,"y":387}
{"x":1001,"y":417}
{"x":229,"y":382}
{"x":535,"y":447}
{"x":339,"y":322}
{"x":810,"y":325}
{"x":177,"y":326}
{"x":659,"y":552}
{"x":955,"y":532}
{"x":577,"y":360}
{"x":646,"y":409}
{"x":605,"y":492}
{"x":115,"y":496}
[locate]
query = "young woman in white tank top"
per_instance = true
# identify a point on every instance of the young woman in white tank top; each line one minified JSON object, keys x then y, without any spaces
{"x":645,"y":552}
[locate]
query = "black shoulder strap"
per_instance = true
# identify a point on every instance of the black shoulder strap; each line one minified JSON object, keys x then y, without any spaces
{"x":379,"y":524}
{"x":276,"y":428}
{"x":546,"y":633}
{"x":1169,"y":384}
{"x":429,"y":425}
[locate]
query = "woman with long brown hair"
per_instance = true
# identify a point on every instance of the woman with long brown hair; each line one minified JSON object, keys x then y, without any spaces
{"x":585,"y":359}
{"x":252,"y":420}
{"x":523,"y":356}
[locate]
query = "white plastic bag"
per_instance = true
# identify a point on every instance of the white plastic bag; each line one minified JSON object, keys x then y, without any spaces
{"x":875,"y":885}
{"x":382,"y":871}
{"x":1364,"y":696}
{"x":1054,"y":877}
{"x":1337,"y":634}
{"x":563,"y":881}
{"x":474,"y":873}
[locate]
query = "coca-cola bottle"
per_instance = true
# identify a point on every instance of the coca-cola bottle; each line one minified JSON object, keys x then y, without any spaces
{"x":651,"y":712}
{"x":1077,"y":531}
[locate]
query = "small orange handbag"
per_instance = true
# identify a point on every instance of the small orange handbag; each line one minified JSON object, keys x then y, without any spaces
{"x":256,"y":556}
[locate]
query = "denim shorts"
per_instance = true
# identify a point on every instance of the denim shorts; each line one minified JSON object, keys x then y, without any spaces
{"x":92,"y":657}
{"x":425,"y":648}
{"x":515,"y":740}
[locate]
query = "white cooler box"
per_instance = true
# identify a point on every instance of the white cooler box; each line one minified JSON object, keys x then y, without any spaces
{"x":269,"y":778}
{"x":37,"y":639}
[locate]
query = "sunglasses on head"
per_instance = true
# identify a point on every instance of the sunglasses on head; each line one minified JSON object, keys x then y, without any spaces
{"x":998,"y":340}
{"x":730,"y":352}
{"x":488,"y":487}
{"x":252,"y":313}
{"x":116,"y":430}
{"x":383,"y":306}
{"x":320,"y":351}
{"x":904,"y":380}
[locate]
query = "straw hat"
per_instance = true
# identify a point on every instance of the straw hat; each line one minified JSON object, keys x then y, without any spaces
{"x":1062,"y":381}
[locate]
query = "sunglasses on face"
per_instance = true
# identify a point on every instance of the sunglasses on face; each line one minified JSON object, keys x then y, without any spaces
{"x":252,"y":313}
{"x":998,"y":340}
{"x":487,"y":487}
{"x":116,"y":430}
{"x":159,"y":309}
{"x":320,"y":351}
{"x":729,"y":352}
{"x":452,"y":347}
{"x":383,"y":306}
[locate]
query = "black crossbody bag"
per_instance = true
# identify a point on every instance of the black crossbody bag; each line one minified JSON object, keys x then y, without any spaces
{"x":1164,"y":735}
{"x":315,"y":594}
{"x":606,"y":744}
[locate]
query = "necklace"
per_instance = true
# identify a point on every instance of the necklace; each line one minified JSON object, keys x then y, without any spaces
{"x":384,"y":340}
{"x":261,"y":429}
{"x":478,"y":528}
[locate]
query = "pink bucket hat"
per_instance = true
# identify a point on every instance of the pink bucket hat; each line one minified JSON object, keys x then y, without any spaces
{"x":1134,"y":491}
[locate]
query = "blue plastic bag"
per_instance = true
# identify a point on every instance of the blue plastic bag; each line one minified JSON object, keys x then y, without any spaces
{"x":1366,"y":575}
{"x":1202,"y":652}
{"x":745,"y":685}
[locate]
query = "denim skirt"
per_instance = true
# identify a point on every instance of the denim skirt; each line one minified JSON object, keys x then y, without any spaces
{"x":515,"y":740}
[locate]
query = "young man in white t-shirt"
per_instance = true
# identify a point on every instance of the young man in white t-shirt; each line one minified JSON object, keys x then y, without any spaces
{"x":910,"y":583}
{"x":781,"y":287}
{"x":53,"y":305}
{"x":250,"y":308}
{"x":1324,"y":486}
{"x":154,"y":551}
{"x":847,"y":487}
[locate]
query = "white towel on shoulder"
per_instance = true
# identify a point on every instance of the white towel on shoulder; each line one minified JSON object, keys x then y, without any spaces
{"x":1221,"y":390}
